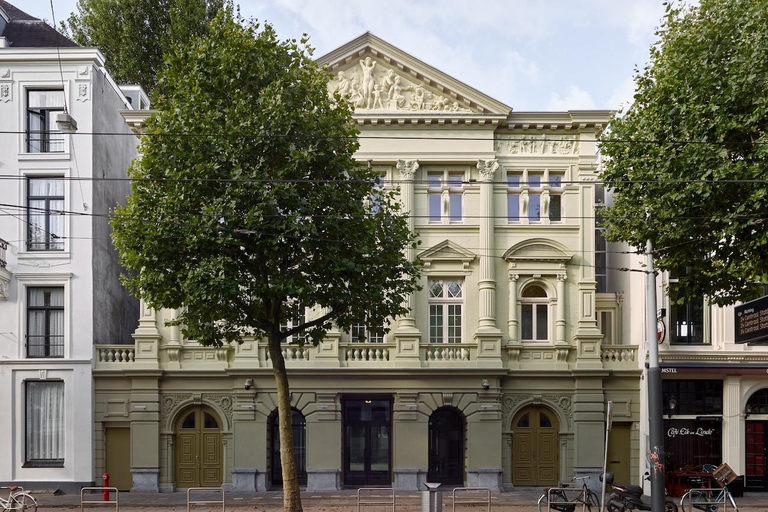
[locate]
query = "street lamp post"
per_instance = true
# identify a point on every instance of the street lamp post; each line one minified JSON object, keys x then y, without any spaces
{"x":655,"y":410}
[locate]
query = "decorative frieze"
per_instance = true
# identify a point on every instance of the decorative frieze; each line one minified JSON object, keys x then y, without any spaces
{"x":543,"y":144}
{"x":368,"y":86}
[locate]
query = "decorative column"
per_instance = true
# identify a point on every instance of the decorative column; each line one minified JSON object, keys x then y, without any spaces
{"x":487,"y":284}
{"x":407,"y":335}
{"x":560,"y":318}
{"x":147,"y":338}
{"x":513,"y":322}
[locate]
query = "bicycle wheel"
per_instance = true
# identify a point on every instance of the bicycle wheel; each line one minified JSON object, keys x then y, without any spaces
{"x":695,"y":500}
{"x":593,"y":502}
{"x":732,"y":501}
{"x":555,"y":497}
{"x":669,"y":505}
{"x":23,"y":501}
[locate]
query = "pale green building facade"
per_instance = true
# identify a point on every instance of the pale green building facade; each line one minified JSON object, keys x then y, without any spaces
{"x":500,"y":375}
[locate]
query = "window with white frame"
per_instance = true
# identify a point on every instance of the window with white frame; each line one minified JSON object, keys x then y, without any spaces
{"x":44,"y":423}
{"x":601,"y":247}
{"x":534,"y":308}
{"x":534,"y":197}
{"x":298,"y":317}
{"x":513,"y":197}
{"x":361,"y":334}
{"x":43,"y":106}
{"x":446,"y":308}
{"x":555,"y":196}
{"x":376,"y":199}
{"x":449,"y":185}
{"x":687,"y":321}
{"x":45,"y":219}
{"x":606,"y":325}
{"x":45,"y":321}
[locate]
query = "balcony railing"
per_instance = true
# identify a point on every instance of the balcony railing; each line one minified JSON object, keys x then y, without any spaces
{"x":619,"y":356}
{"x":117,"y":354}
{"x":3,"y":247}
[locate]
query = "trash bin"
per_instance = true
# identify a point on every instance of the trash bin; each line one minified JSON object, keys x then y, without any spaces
{"x":431,"y":500}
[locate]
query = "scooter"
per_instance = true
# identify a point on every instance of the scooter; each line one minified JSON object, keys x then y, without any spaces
{"x":627,"y":497}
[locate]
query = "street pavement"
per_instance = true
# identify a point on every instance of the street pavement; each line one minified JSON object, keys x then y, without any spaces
{"x":517,"y":500}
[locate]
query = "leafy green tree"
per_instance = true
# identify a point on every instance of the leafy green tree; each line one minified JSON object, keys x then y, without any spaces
{"x":134,"y":35}
{"x":687,"y":152}
{"x":259,"y":209}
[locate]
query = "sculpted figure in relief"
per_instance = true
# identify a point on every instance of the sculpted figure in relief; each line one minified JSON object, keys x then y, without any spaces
{"x":343,"y":86}
{"x":367,"y":86}
{"x":388,"y":81}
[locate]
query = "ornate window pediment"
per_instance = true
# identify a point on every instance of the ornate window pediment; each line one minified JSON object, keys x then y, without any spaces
{"x":539,"y":249}
{"x":447,"y":251}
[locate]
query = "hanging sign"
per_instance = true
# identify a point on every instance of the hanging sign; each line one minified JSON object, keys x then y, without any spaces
{"x":751,"y":321}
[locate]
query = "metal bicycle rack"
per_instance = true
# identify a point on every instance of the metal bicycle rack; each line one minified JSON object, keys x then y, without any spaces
{"x":115,"y":502}
{"x":190,"y":502}
{"x":473,"y":499}
{"x":375,"y":500}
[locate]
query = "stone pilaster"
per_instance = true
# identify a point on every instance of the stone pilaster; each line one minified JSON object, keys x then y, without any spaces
{"x":487,"y":283}
{"x":147,"y":338}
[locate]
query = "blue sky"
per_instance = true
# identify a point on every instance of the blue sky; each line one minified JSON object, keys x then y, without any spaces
{"x":529,"y":54}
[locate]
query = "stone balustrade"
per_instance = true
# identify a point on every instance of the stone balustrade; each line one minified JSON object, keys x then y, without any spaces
{"x":619,"y":356}
{"x":107,"y":355}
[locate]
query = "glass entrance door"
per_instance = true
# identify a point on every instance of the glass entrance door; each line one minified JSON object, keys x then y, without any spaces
{"x":367,"y":444}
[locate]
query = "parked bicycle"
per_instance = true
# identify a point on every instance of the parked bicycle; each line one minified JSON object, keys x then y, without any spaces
{"x":708,"y":500}
{"x":18,"y":500}
{"x":558,"y":499}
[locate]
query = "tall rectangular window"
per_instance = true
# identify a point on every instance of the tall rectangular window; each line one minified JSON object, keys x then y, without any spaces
{"x":513,"y":198}
{"x":45,"y":322}
{"x":555,"y":197}
{"x":534,"y":198}
{"x":361,"y":334}
{"x":687,"y":324}
{"x":42,"y":134}
{"x":298,"y":318}
{"x":446,"y":301}
{"x":449,"y":185}
{"x":601,"y":247}
{"x":45,"y":207}
{"x":44,"y":423}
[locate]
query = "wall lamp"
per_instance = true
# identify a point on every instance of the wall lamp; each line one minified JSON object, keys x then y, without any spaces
{"x":486,"y":384}
{"x":672,"y":406}
{"x":248,"y":384}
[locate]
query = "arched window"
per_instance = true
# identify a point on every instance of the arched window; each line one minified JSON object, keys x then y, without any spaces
{"x":758,"y":402}
{"x":535,"y":314}
{"x":299,"y":447}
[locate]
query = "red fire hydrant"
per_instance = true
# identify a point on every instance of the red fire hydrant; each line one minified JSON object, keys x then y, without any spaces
{"x":105,"y":477}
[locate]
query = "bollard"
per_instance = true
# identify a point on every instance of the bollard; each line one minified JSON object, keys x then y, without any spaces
{"x":431,"y":500}
{"x":105,"y":477}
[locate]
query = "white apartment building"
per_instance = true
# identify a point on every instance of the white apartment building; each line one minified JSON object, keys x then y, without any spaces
{"x":59,"y":287}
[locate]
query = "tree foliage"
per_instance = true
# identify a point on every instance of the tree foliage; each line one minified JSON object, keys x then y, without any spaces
{"x":686,"y":150}
{"x":134,"y":35}
{"x":247,"y":204}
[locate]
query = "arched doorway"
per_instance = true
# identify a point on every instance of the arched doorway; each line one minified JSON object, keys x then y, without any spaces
{"x":756,"y":442}
{"x":446,"y":447}
{"x":299,"y":430}
{"x":199,"y":461}
{"x":535,"y":459}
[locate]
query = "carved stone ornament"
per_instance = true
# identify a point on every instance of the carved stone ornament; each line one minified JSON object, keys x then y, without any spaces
{"x":83,"y":92}
{"x":3,"y":289}
{"x":224,"y":402}
{"x":369,"y":86}
{"x":510,"y":404}
{"x":537,"y":145}
{"x":5,"y":93}
{"x":487,"y":168}
{"x":169,"y":405}
{"x":407,"y":168}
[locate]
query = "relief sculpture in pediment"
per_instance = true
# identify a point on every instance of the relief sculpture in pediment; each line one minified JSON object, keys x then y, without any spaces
{"x":369,"y":86}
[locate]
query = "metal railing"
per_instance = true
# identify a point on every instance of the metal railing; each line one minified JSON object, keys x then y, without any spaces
{"x":561,"y":501}
{"x":705,"y":497}
{"x":374,"y":499}
{"x":3,"y":247}
{"x":190,"y":502}
{"x":477,"y":496}
{"x":115,"y":502}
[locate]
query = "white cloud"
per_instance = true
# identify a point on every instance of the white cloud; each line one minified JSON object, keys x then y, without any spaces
{"x":574,"y":99}
{"x":623,"y":96}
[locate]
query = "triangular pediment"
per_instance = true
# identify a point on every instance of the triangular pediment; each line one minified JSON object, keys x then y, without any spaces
{"x":538,"y":249}
{"x":447,"y":251}
{"x":380,"y":79}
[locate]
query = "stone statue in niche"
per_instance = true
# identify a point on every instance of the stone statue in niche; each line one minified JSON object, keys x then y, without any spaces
{"x":369,"y":86}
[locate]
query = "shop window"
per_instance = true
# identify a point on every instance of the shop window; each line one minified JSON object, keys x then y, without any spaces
{"x":692,"y":397}
{"x":44,"y":423}
{"x":535,"y":314}
{"x":446,"y":306}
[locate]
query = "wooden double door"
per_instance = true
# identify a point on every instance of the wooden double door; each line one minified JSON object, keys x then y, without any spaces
{"x":756,"y":452}
{"x":535,"y":459}
{"x":198,"y":449}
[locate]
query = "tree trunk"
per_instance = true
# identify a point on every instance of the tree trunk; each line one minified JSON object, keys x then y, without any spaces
{"x":291,"y":495}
